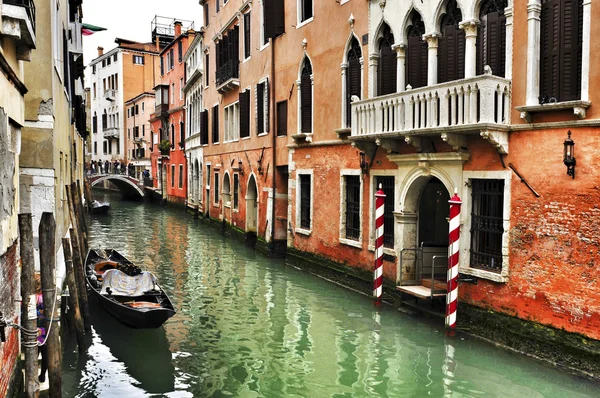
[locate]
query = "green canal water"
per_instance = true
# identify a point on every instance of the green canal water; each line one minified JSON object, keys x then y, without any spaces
{"x":249,"y":326}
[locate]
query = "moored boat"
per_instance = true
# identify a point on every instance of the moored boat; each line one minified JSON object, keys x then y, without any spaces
{"x":129,"y":294}
{"x":100,"y":207}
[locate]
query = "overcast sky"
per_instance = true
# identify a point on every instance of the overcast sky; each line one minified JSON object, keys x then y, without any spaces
{"x":130,"y":19}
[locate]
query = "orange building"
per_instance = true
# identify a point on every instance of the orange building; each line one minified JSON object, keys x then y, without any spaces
{"x":169,"y":163}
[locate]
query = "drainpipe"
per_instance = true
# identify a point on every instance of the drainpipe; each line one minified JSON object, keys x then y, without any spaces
{"x":274,"y":141}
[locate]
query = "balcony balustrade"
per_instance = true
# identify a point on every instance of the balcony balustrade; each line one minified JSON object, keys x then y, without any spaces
{"x":111,"y":132}
{"x":458,"y":106}
{"x":228,"y":77}
{"x":18,"y":22}
{"x":110,"y":94}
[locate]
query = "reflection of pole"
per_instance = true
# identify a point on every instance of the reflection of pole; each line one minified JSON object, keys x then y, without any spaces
{"x":454,"y":244}
{"x":448,"y":369}
{"x":378,"y":275}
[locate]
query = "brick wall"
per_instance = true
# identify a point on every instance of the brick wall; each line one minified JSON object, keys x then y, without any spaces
{"x":9,"y":291}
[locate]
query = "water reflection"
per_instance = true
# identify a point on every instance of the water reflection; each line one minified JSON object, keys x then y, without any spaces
{"x":253,"y":327}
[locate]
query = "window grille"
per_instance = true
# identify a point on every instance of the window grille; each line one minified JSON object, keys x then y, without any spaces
{"x":487,"y":224}
{"x":305,"y":201}
{"x":352,"y":207}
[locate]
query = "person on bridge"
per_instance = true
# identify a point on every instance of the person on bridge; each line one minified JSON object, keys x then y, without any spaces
{"x":106,"y":166}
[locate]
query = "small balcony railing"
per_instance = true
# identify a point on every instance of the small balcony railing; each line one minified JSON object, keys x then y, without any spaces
{"x":29,"y":6}
{"x":460,"y":103}
{"x":111,"y":132}
{"x":110,"y":94}
{"x":228,"y":75}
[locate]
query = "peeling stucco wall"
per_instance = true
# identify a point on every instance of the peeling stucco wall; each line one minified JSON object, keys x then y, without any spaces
{"x":8,"y":199}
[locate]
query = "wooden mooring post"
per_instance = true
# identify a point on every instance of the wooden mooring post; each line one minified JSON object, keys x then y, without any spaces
{"x":28,"y":306}
{"x":87,"y":191}
{"x":75,"y":313}
{"x":80,"y":281}
{"x":47,"y":233}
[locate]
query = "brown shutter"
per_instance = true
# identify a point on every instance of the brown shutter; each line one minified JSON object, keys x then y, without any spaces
{"x":306,"y":103}
{"x":279,"y":17}
{"x":260,"y":108}
{"x":570,"y":51}
{"x":353,"y":87}
{"x":246,"y":35}
{"x":245,"y":114}
{"x":387,"y":70}
{"x":204,"y":127}
{"x":550,"y":51}
{"x":268,"y":19}
{"x":282,"y":118}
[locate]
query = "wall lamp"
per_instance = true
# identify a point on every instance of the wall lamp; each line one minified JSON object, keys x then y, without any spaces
{"x":240,"y":169}
{"x":364,"y":166}
{"x":569,"y":155}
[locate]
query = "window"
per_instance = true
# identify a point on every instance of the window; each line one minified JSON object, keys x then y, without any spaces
{"x":129,"y":133}
{"x":416,"y":54}
{"x":262,"y":107}
{"x":451,"y":47}
{"x":226,"y":190}
{"x":162,"y":66}
{"x":180,"y":51}
{"x":104,"y":121}
{"x":181,"y":135}
{"x":94,"y":90}
{"x":244,"y":113}
{"x":387,"y":185}
{"x":138,"y":60}
{"x":108,"y":61}
{"x":137,"y":109}
{"x":305,"y":9}
{"x":143,"y":130}
{"x":305,"y":201}
{"x":143,"y":107}
{"x":236,"y":183}
{"x":181,"y":88}
{"x":273,"y":19}
{"x":172,"y":93}
{"x":216,"y":188}
{"x":109,"y":147}
{"x":171,"y":59}
{"x":172,"y":176}
{"x":104,"y":63}
{"x":95,"y":123}
{"x":228,"y":56}
{"x":487,"y":197}
{"x":218,"y":5}
{"x":353,"y":78}
{"x":95,"y":148}
{"x":206,"y":66}
{"x":386,"y":68}
{"x":104,"y":146}
{"x":215,"y":124}
{"x":231,"y":121}
{"x":115,"y":57}
{"x":128,"y":113}
{"x":172,"y":136}
{"x":208,"y":177}
{"x":306,"y":97}
{"x":561,"y":50}
{"x":281,"y":118}
{"x":491,"y":37}
{"x":247,"y":35}
{"x":204,"y":127}
{"x":206,"y":15}
{"x":94,"y":69}
{"x":117,"y":146}
{"x":351,"y":207}
{"x":180,"y":176}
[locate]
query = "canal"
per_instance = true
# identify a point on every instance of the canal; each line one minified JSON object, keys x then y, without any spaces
{"x":249,"y":326}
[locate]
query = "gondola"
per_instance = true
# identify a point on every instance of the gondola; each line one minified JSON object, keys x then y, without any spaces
{"x":129,"y":294}
{"x":99,"y":207}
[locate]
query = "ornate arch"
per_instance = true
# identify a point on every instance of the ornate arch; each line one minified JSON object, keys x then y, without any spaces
{"x":414,"y":182}
{"x":347,"y":47}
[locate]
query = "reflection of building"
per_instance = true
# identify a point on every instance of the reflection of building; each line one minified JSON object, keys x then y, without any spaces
{"x":16,"y":48}
{"x":118,"y":75}
{"x":194,"y":79}
{"x":139,"y":133}
{"x":169,"y":163}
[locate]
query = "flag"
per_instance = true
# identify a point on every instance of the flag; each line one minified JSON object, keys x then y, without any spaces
{"x":87,"y":29}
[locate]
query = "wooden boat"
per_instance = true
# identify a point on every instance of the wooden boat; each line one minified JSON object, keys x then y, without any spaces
{"x":126,"y":292}
{"x":99,"y":207}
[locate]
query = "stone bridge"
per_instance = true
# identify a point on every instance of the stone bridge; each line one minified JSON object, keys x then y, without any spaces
{"x":129,"y":186}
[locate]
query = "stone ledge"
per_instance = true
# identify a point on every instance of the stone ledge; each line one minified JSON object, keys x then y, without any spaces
{"x":579,"y":108}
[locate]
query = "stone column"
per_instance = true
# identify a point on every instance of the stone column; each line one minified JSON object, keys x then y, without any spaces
{"x":344,"y":68}
{"x":401,"y":67}
{"x":373,"y":63}
{"x":508,"y":13}
{"x":470,"y":29}
{"x":432,"y":61}
{"x":534,"y":10}
{"x":585,"y":51}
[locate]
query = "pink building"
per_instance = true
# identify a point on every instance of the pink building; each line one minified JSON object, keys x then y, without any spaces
{"x":138,"y":137}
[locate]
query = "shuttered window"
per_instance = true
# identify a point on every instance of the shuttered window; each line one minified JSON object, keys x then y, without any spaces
{"x":246,"y":35}
{"x":451,"y":47}
{"x":353,"y":81}
{"x":215,"y":124}
{"x":306,"y":10}
{"x":282,"y":118}
{"x":386,"y":69}
{"x":561,"y":42}
{"x":306,"y":97}
{"x":206,"y":15}
{"x":491,"y":37}
{"x":273,"y":19}
{"x":204,"y":127}
{"x":245,"y":114}
{"x":260,"y":108}
{"x":416,"y":54}
{"x":180,"y":51}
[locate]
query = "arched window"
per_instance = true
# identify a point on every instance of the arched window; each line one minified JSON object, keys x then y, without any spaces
{"x":491,"y":37}
{"x":416,"y":53}
{"x":561,"y":50}
{"x":386,"y":68}
{"x":306,"y":97}
{"x":353,"y":77}
{"x":226,"y":190}
{"x":172,"y":136}
{"x":451,"y":47}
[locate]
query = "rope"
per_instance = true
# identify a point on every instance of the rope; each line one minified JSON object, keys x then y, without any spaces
{"x":50,"y":325}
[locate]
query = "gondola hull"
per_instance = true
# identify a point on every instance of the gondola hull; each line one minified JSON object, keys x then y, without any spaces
{"x":122,"y":307}
{"x":100,"y":209}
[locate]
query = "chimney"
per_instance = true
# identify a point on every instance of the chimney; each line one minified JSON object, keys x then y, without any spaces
{"x":100,"y":51}
{"x":177,"y":28}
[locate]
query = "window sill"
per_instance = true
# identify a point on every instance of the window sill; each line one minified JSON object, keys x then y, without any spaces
{"x":579,"y":109}
{"x":349,"y":242}
{"x":386,"y":250}
{"x":483,"y":274}
{"x":343,"y":133}
{"x":262,"y":134}
{"x":235,"y":210}
{"x":301,"y":24}
{"x":245,"y":138}
{"x":216,"y":205}
{"x":302,"y":138}
{"x":303,"y":231}
{"x":247,"y":59}
{"x":264,"y":46}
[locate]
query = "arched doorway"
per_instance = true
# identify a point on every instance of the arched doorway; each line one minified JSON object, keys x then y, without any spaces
{"x":251,"y":206}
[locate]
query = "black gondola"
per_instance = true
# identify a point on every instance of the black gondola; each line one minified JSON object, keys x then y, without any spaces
{"x":99,"y":207}
{"x":126,"y":292}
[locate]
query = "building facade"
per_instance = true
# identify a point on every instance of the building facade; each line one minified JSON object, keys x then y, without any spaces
{"x":169,"y":163}
{"x":137,"y":124}
{"x":17,"y":43}
{"x":193,"y":92}
{"x":117,"y":76}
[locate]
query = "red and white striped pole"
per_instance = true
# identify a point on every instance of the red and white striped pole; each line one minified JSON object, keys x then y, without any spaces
{"x":378,"y":274}
{"x":453,"y":251}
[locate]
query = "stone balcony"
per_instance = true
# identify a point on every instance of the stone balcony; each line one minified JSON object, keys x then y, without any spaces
{"x":111,"y":132}
{"x":477,"y":105}
{"x":110,"y":94}
{"x":18,"y":23}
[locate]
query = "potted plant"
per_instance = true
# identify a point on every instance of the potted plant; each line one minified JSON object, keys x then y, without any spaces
{"x":165,"y":147}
